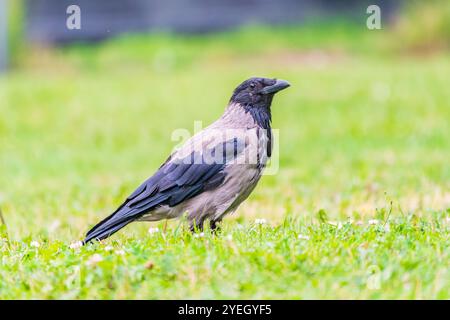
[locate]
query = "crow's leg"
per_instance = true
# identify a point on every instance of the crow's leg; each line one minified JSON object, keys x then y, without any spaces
{"x":215,"y":226}
{"x":196,"y":225}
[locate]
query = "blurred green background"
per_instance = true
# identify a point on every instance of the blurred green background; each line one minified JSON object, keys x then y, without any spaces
{"x":365,"y":122}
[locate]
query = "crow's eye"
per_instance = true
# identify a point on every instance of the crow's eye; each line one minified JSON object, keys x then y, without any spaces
{"x":252,"y":85}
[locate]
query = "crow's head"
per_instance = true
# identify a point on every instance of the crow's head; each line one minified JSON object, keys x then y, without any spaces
{"x":258,"y":92}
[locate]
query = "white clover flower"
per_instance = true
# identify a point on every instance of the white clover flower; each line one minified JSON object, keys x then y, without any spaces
{"x":76,"y":245}
{"x":336,"y":224}
{"x":109,"y":248}
{"x":387,"y":227}
{"x":260,"y":221}
{"x":199,"y":235}
{"x":120,"y":252}
{"x":229,"y":237}
{"x":359,"y":223}
{"x":303,"y":237}
{"x":373,"y":221}
{"x":153,"y":230}
{"x":94,"y":259}
{"x":35,"y":244}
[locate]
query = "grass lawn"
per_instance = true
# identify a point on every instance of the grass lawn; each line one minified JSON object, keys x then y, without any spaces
{"x":359,"y":207}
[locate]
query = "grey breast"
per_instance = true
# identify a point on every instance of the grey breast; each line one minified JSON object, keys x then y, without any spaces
{"x":242,"y":171}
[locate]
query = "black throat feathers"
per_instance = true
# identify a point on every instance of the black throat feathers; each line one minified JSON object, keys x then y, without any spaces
{"x":263,"y":118}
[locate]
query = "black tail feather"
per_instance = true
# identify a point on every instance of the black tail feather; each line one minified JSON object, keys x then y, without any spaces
{"x":105,"y":232}
{"x":108,"y":226}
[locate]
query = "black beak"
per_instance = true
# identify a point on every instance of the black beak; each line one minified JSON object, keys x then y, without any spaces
{"x":278,"y":86}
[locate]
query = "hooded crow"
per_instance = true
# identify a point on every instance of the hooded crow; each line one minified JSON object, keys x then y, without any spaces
{"x":213,"y":172}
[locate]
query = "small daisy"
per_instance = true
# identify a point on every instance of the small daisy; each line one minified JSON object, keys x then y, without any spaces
{"x":260,"y":221}
{"x":109,"y":248}
{"x":359,"y":223}
{"x":35,"y":244}
{"x":120,"y":252}
{"x":229,"y":237}
{"x":76,"y":245}
{"x":199,"y":235}
{"x":153,"y":230}
{"x":373,"y":221}
{"x":303,"y":237}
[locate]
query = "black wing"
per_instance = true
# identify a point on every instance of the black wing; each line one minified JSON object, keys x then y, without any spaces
{"x":174,"y":182}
